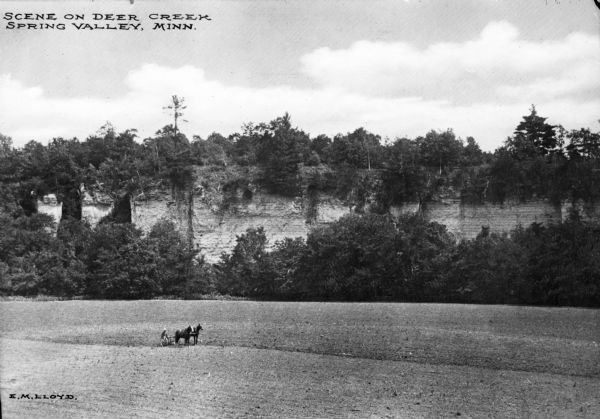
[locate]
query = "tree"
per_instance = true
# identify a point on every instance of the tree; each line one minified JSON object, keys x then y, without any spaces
{"x":280,"y":149}
{"x":471,"y":153}
{"x":33,"y":261}
{"x":485,"y":270}
{"x":583,"y":144}
{"x":242,"y":272}
{"x":284,"y":262}
{"x":177,"y":106}
{"x":26,"y":175}
{"x":350,"y":259}
{"x":169,"y":156}
{"x":173,"y":258}
{"x":66,"y":173}
{"x":371,"y":257}
{"x":403,"y":178}
{"x":439,"y":149}
{"x":17,"y":193}
{"x":6,"y":146}
{"x":510,"y":178}
{"x":532,"y":137}
{"x":212,"y":151}
{"x":322,"y":146}
{"x":562,"y":263}
{"x":359,"y":149}
{"x":120,"y":172}
{"x":121,"y":264}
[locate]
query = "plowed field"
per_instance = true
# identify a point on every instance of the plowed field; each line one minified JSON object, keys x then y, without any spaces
{"x":298,"y":360}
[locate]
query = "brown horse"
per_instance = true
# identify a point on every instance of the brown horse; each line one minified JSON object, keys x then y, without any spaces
{"x":183,"y":333}
{"x":196,"y":332}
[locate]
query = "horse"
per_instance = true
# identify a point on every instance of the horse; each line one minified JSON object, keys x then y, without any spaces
{"x":196,"y":332}
{"x":183,"y":333}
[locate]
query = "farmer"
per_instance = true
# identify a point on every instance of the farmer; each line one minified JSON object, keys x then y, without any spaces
{"x":164,"y":337}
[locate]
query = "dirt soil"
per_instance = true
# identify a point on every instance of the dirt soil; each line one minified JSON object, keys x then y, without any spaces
{"x":234,"y":382}
{"x":299,"y":360}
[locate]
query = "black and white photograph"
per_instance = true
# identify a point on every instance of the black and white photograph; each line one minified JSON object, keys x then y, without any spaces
{"x":300,"y":209}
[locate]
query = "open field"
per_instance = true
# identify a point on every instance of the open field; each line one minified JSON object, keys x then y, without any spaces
{"x":300,"y":360}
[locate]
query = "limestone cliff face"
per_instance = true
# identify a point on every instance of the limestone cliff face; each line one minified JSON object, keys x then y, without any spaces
{"x":212,"y":223}
{"x":465,"y":220}
{"x":215,"y":229}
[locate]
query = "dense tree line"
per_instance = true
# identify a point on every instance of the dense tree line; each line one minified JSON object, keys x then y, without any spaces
{"x":112,"y":260}
{"x":371,"y":257}
{"x":361,"y":257}
{"x":539,"y":160}
{"x":111,"y":163}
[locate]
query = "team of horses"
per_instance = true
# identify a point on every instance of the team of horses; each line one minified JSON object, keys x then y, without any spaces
{"x":186,"y":334}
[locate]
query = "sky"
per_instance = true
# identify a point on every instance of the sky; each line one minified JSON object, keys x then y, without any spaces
{"x":397,"y":68}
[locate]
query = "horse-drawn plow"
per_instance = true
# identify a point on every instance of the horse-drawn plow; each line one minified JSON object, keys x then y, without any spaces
{"x":185,"y":334}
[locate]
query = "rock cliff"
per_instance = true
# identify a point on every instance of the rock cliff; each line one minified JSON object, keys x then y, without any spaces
{"x":212,"y":226}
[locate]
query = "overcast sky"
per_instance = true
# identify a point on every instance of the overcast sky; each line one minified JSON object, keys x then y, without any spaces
{"x":397,"y":68}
